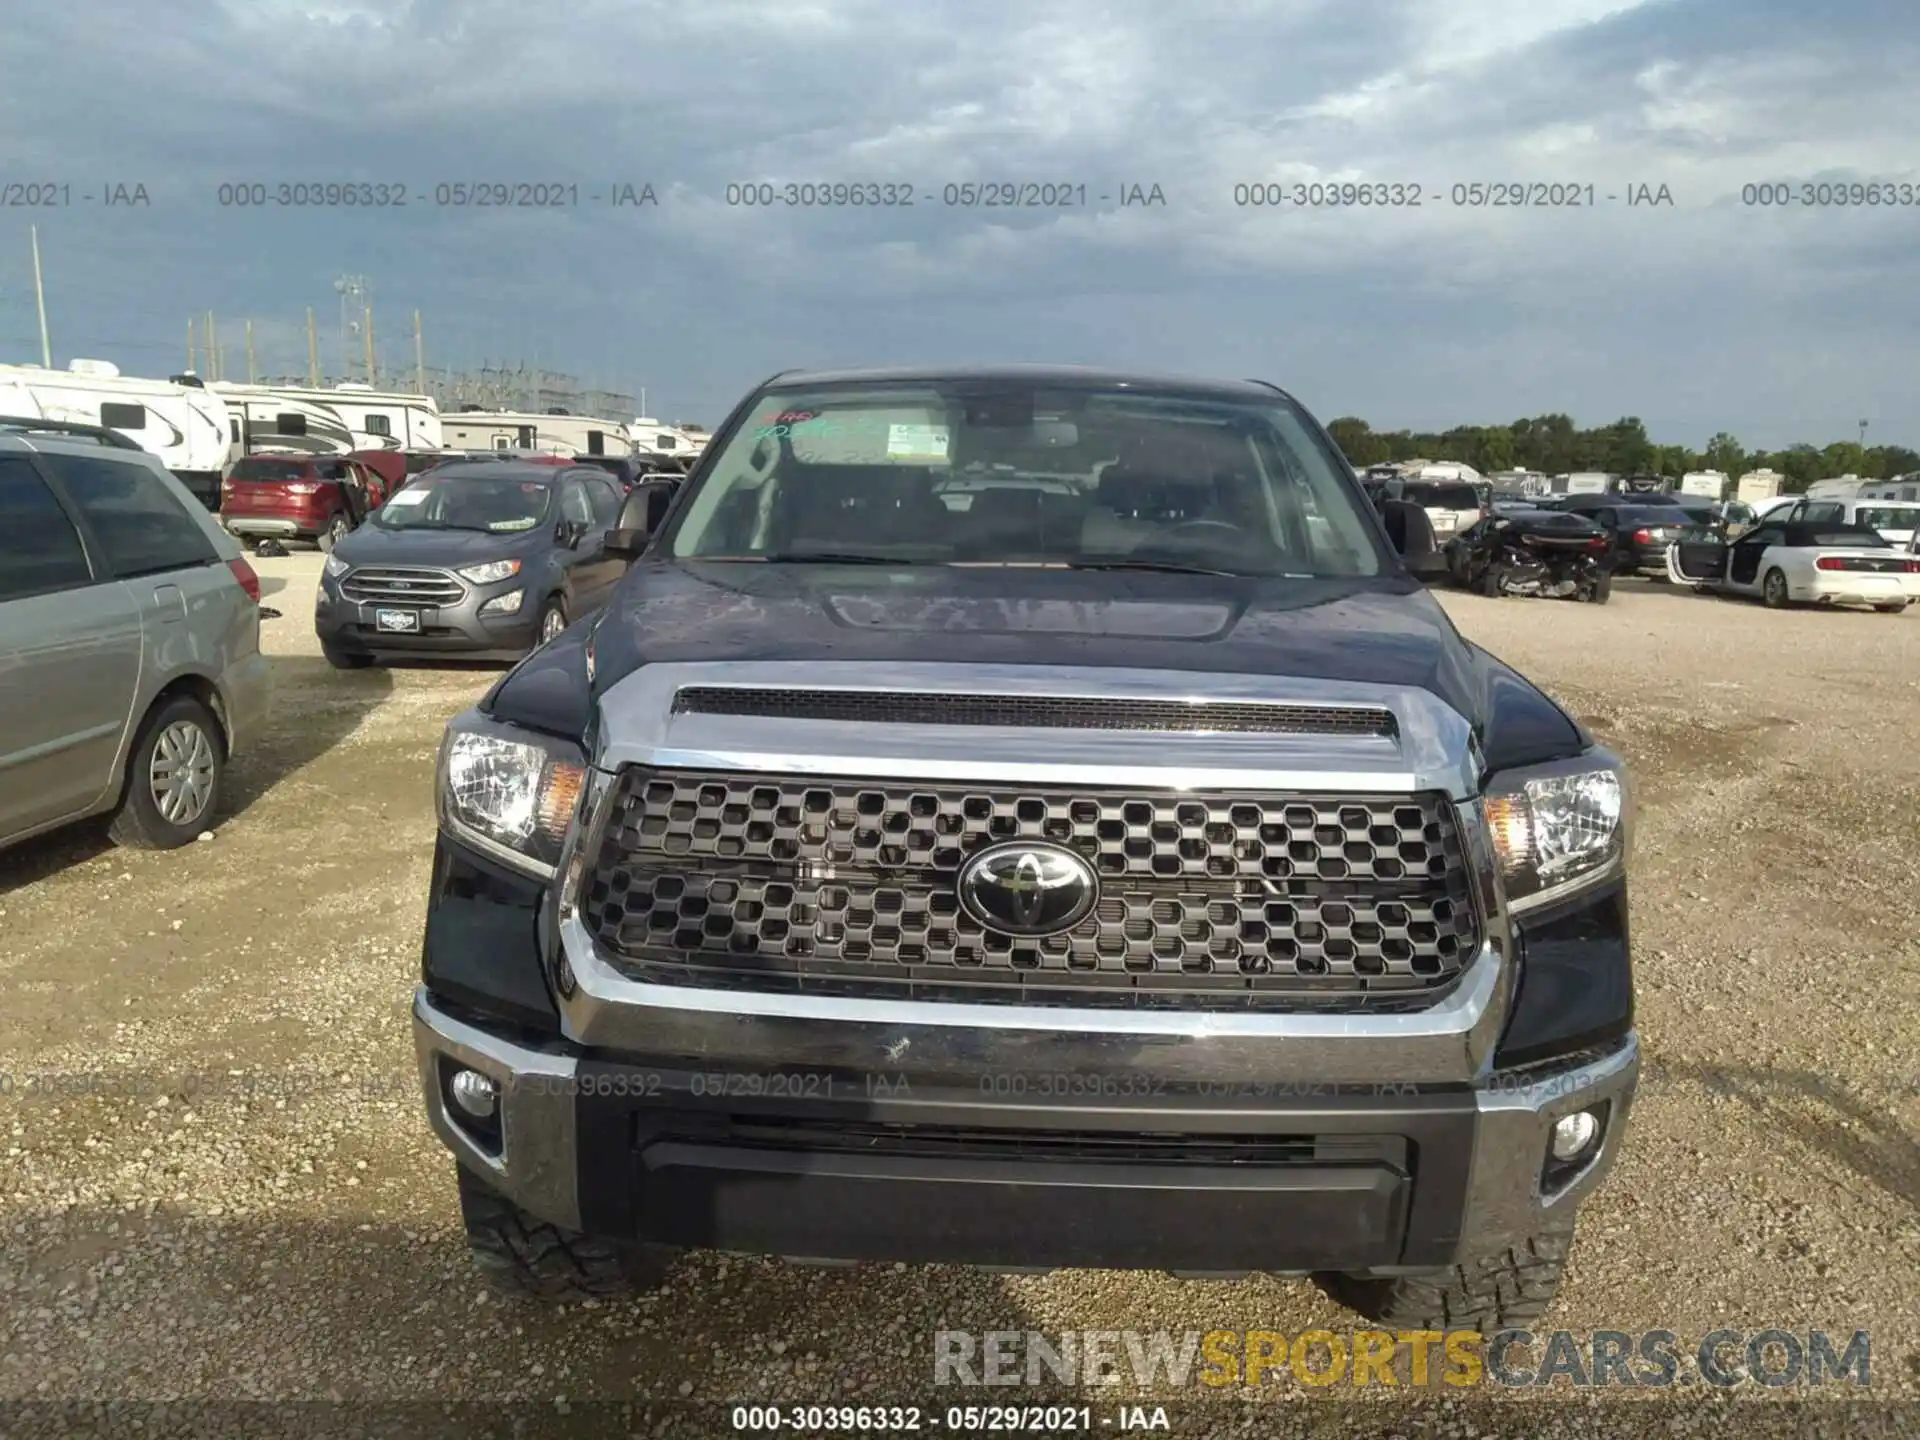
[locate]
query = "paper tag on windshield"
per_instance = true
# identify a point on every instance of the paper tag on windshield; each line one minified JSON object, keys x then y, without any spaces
{"x":407,"y":497}
{"x":917,"y":442}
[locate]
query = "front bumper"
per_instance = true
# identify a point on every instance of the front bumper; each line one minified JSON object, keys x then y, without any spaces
{"x":1152,"y":1160}
{"x":459,"y":629}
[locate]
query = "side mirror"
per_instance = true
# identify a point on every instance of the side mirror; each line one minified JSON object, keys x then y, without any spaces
{"x":640,"y":517}
{"x":569,"y":533}
{"x":1411,"y":534}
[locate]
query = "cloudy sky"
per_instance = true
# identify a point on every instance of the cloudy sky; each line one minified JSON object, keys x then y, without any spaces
{"x":1777,"y":322}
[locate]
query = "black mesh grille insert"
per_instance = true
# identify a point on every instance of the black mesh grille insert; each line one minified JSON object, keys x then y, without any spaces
{"x":1048,"y":712}
{"x":809,"y":885}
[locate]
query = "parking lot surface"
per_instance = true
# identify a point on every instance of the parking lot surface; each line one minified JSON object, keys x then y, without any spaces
{"x":218,"y":1179}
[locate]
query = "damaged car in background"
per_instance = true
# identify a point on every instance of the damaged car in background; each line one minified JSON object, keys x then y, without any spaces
{"x":1551,"y":554}
{"x":1789,"y":563}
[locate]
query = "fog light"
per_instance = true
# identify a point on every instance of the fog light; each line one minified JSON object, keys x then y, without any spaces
{"x":1572,"y":1134}
{"x":476,"y":1094}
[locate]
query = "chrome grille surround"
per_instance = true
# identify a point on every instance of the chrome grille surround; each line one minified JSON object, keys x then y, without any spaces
{"x":402,"y":585}
{"x":1208,"y":899}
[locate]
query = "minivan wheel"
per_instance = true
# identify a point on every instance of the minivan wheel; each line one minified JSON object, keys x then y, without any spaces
{"x":553,"y":619}
{"x":173,"y":778}
{"x":1774,"y":590}
{"x":335,"y":532}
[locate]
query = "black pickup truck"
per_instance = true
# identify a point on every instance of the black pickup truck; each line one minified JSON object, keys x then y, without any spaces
{"x":1029,"y":818}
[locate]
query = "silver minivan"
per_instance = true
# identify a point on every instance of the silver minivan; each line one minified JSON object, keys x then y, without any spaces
{"x":130,"y":664}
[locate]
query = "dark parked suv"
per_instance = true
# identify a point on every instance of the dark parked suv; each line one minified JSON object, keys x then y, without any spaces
{"x":485,"y":560}
{"x":1029,"y":818}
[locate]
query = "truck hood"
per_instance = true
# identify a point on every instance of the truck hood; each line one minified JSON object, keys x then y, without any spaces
{"x":1383,"y":631}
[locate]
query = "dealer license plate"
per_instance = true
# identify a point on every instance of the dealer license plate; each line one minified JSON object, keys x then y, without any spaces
{"x":396,"y":620}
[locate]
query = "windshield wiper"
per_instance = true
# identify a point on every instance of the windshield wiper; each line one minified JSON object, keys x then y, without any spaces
{"x":1165,"y":567}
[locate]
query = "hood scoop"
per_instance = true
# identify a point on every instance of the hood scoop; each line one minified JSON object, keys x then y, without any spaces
{"x":1043,"y":712}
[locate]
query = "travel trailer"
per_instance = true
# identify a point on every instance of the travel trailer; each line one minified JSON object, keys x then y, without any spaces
{"x":555,"y":433}
{"x":178,"y":420}
{"x":1900,"y":487}
{"x":1758,"y":485}
{"x":653,"y":437}
{"x":375,"y":419}
{"x":267,"y":420}
{"x":1588,"y":482}
{"x":1840,"y":487}
{"x":1520,"y":482}
{"x":1708,"y":484}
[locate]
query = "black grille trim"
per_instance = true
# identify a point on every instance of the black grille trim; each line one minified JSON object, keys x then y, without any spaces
{"x":1045,"y":712}
{"x":807,"y":885}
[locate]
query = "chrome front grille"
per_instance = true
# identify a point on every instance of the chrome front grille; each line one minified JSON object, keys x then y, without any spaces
{"x":401,"y":585}
{"x":796,"y":883}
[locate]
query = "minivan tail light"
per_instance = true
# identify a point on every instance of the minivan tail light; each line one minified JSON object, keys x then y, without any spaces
{"x":249,"y":580}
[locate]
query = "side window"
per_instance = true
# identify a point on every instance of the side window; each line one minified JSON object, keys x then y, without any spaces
{"x":39,"y":548}
{"x":574,"y":504}
{"x":142,"y":528}
{"x":379,"y":425}
{"x":1828,"y":514}
{"x":606,"y":502}
{"x":117,"y":415}
{"x":290,"y":422}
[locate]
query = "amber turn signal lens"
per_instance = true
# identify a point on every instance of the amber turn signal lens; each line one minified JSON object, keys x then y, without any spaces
{"x":1510,"y":820}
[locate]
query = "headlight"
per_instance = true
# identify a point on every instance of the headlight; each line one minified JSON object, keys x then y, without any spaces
{"x":491,"y":571}
{"x":506,"y":604}
{"x":1559,"y":826}
{"x":511,"y":792}
{"x":336,"y":567}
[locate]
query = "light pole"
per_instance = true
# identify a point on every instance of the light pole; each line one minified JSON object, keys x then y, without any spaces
{"x":348,"y":287}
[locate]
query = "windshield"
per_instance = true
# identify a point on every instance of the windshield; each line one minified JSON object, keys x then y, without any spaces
{"x":1886,"y":517}
{"x":948,"y":473}
{"x":494,"y":504}
{"x":1433,"y":496}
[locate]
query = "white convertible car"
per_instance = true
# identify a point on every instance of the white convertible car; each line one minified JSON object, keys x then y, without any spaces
{"x":1788,"y":563}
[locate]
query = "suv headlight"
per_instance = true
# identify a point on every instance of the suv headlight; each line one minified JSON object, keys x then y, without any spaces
{"x":491,"y":571}
{"x":1557,"y":827}
{"x":336,"y":567}
{"x":509,"y":792}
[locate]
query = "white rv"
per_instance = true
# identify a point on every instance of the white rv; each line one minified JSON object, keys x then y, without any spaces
{"x":555,"y":433}
{"x":178,"y":420}
{"x":375,"y":419}
{"x":1900,"y":487}
{"x":1758,"y":485}
{"x":654,"y":437}
{"x":265,"y":419}
{"x":1707,"y":484}
{"x":1589,"y":482}
{"x":1840,"y":487}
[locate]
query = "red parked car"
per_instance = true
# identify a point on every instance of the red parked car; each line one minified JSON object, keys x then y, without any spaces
{"x":298,"y":497}
{"x":389,"y":466}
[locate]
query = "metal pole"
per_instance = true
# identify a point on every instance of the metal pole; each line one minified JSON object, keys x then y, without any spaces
{"x":313,"y":352}
{"x":372,"y":376}
{"x":40,"y":298}
{"x":251,"y":372}
{"x":190,"y":353}
{"x":419,"y":357}
{"x":213,"y":348}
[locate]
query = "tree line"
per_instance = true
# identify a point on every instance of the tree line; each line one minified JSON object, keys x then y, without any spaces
{"x":1554,"y":445}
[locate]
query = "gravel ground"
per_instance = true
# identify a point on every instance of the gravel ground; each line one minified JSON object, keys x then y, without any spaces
{"x":218,"y":1182}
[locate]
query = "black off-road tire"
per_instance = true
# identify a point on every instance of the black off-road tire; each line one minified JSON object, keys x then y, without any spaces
{"x":528,"y":1258}
{"x":1486,"y":1295}
{"x":138,"y":824}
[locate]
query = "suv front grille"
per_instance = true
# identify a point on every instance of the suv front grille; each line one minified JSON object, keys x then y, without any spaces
{"x":401,"y":585}
{"x":800,"y":884}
